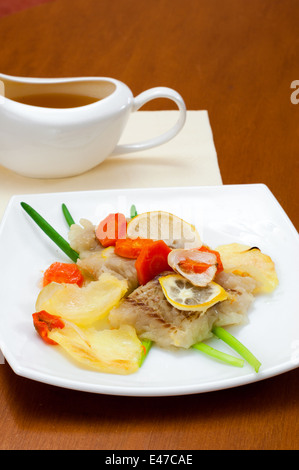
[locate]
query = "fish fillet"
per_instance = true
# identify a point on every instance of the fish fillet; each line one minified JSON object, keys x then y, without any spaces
{"x":154,"y":318}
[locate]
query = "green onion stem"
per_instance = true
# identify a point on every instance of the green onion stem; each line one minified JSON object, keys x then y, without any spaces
{"x":50,"y":232}
{"x":69,"y":219}
{"x":147,"y":344}
{"x":133,"y":211}
{"x":221,"y":356}
{"x":235,"y":344}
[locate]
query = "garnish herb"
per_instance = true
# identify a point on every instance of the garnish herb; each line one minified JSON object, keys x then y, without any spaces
{"x":221,"y":356}
{"x":69,"y":219}
{"x":133,"y":211}
{"x":146,"y":346}
{"x":237,"y":346}
{"x":50,"y":232}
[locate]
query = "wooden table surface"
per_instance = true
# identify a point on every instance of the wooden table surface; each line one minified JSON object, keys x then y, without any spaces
{"x":237,"y":59}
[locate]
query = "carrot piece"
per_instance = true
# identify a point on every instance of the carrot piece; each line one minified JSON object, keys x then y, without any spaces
{"x":63,"y":272}
{"x":131,"y":248}
{"x":217,"y":254}
{"x":190,"y":266}
{"x":45,"y":322}
{"x":152,"y":261}
{"x":112,"y":228}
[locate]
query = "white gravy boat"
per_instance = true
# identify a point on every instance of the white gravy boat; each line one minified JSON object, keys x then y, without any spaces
{"x":48,"y":142}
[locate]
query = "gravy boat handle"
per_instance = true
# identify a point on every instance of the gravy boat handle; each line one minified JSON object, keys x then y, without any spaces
{"x":139,"y":101}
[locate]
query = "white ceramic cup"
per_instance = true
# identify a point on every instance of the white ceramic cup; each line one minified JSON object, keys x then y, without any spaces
{"x":43,"y":142}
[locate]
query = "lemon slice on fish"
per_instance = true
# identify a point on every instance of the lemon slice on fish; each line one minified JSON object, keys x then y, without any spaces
{"x":161,"y":225}
{"x":183,"y":295}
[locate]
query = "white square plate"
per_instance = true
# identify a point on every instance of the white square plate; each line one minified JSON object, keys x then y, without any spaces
{"x":247,"y":214}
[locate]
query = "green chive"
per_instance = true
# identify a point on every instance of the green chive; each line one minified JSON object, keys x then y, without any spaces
{"x":147,"y":344}
{"x":51,"y":232}
{"x":237,"y":346}
{"x":221,"y":356}
{"x":69,"y":219}
{"x":133,"y":211}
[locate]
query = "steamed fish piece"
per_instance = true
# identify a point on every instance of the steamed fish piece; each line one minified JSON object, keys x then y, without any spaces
{"x":107,"y":261}
{"x":154,"y":318}
{"x":94,"y":259}
{"x":250,"y":261}
{"x":82,"y":238}
{"x":240,"y":290}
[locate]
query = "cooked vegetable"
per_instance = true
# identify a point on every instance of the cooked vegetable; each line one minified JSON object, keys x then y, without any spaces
{"x":237,"y":346}
{"x":63,"y":273}
{"x":133,"y":211}
{"x":69,"y":219}
{"x":44,"y":322}
{"x":146,"y":346}
{"x":111,"y":351}
{"x":50,"y":232}
{"x":131,"y":248}
{"x":152,"y":261}
{"x":250,"y":261}
{"x":216,"y":253}
{"x":82,"y":305}
{"x":112,"y":228}
{"x":221,"y":356}
{"x":190,"y":264}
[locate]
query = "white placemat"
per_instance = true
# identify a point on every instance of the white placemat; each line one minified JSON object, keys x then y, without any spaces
{"x":190,"y":159}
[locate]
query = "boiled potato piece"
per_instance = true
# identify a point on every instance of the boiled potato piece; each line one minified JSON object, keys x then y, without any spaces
{"x":115,"y":351}
{"x":245,"y":260}
{"x":82,"y":305}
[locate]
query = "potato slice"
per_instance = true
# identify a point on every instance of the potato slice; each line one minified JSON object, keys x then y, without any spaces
{"x":82,"y":305}
{"x":245,"y":260}
{"x":115,"y":351}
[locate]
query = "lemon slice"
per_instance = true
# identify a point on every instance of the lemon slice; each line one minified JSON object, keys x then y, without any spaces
{"x":183,"y":295}
{"x":160,"y":225}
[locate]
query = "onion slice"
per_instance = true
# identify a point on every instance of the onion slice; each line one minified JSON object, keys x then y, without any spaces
{"x":178,"y":257}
